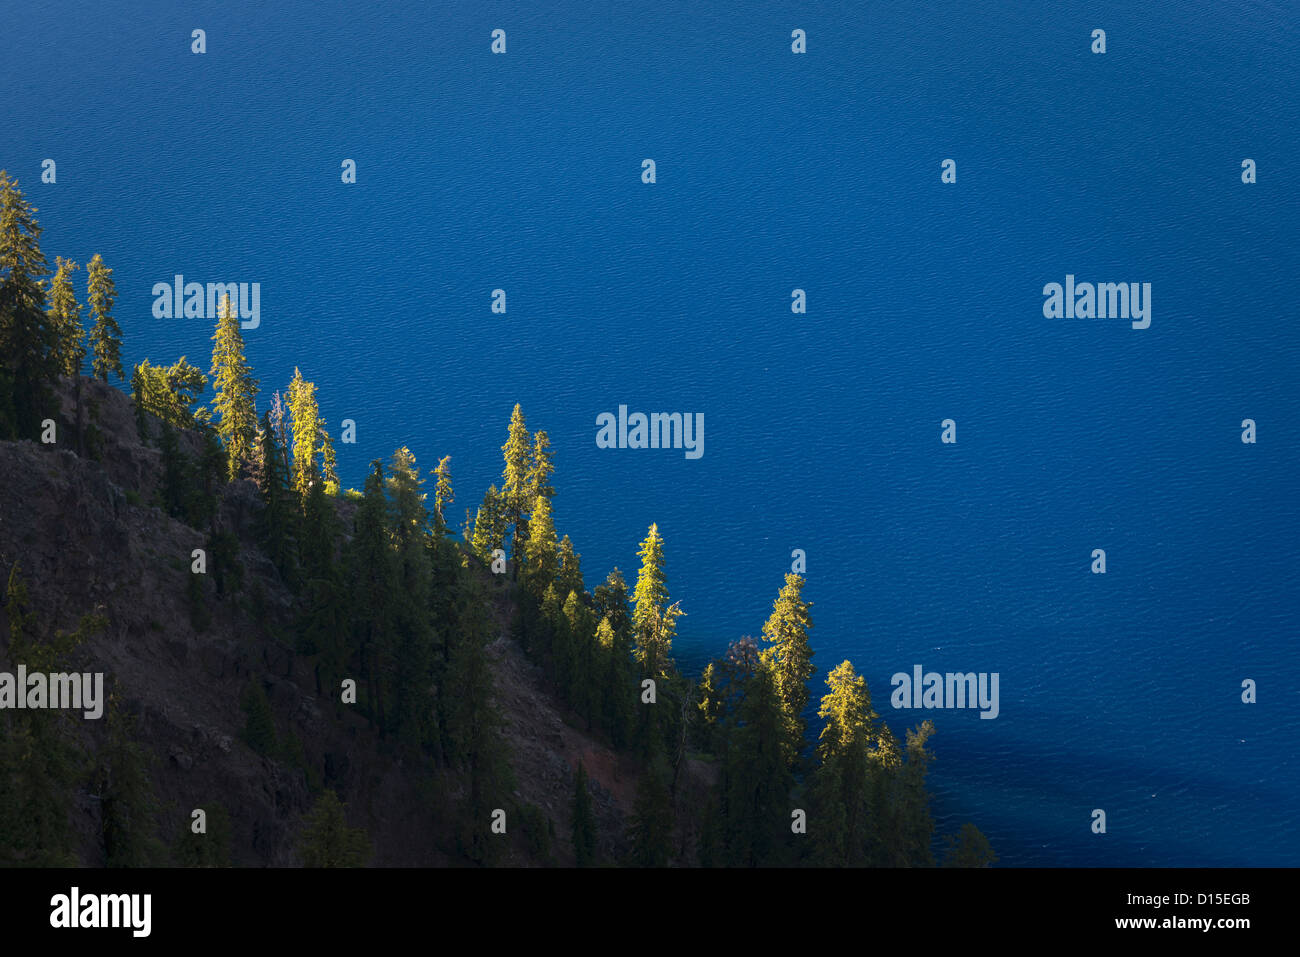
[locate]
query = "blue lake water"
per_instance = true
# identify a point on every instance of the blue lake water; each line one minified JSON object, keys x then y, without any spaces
{"x":778,"y":171}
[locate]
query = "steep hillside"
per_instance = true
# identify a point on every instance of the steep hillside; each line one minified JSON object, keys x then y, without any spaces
{"x":88,"y":538}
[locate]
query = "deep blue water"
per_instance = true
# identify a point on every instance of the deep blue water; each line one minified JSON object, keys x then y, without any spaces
{"x":777,"y":171}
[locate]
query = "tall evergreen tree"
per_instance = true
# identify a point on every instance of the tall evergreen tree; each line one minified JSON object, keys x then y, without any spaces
{"x":327,"y":840}
{"x":105,"y":334}
{"x":127,"y":802}
{"x":328,"y":462}
{"x":65,"y":316}
{"x":913,"y":822}
{"x":969,"y":848}
{"x":443,"y":495}
{"x":617,"y":684}
{"x":372,"y":577}
{"x":651,"y":827}
{"x":29,"y":351}
{"x":569,"y":572}
{"x":653,"y":619}
{"x":516,"y":488}
{"x":236,"y":391}
{"x":170,"y":393}
{"x":475,"y":725}
{"x":540,"y":468}
{"x":409,"y":530}
{"x":580,"y":629}
{"x":40,"y":764}
{"x":841,"y":782}
{"x":488,"y":533}
{"x":208,"y":849}
{"x":789,"y":655}
{"x":305,"y":416}
{"x":541,"y":560}
{"x":277,"y":519}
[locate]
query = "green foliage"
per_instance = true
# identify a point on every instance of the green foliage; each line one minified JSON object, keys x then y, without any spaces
{"x":309,"y":435}
{"x":443,"y":495}
{"x":847,"y":747}
{"x":651,"y":827}
{"x":223,"y":561}
{"x":210,"y":849}
{"x":969,"y":848}
{"x":653,"y":619}
{"x":755,"y":783}
{"x":541,"y":561}
{"x":475,"y":726}
{"x":171,"y":393}
{"x":415,"y":641}
{"x":105,"y":334}
{"x":259,"y":723}
{"x":236,"y":391}
{"x":327,"y":840}
{"x":489,"y":529}
{"x":371,"y":573}
{"x":790,"y":658}
{"x":65,"y":316}
{"x":126,"y":796}
{"x":516,"y":487}
{"x":277,"y":525}
{"x":40,"y":765}
{"x":29,"y":340}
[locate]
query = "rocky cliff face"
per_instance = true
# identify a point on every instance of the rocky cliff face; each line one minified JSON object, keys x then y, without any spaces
{"x":88,"y":540}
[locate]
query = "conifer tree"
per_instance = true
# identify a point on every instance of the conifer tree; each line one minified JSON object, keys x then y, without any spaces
{"x":969,"y":848}
{"x":327,"y":840}
{"x":410,"y":534}
{"x":569,"y":572}
{"x":841,"y":782}
{"x":915,"y":827}
{"x":329,"y":463}
{"x":580,"y":666}
{"x":171,"y":393}
{"x":584,"y":821}
{"x":305,"y":417}
{"x":789,"y":656}
{"x":475,"y":725}
{"x":40,"y":764}
{"x":611,"y":602}
{"x":516,"y":488}
{"x":65,"y":316}
{"x":617,"y":684}
{"x":177,"y":490}
{"x":29,"y":350}
{"x":651,"y":826}
{"x":324,"y":621}
{"x":105,"y":334}
{"x":541,"y":560}
{"x":443,"y":495}
{"x":756,"y":781}
{"x":209,"y":849}
{"x":540,"y":468}
{"x":127,"y":802}
{"x":236,"y":391}
{"x":277,"y":519}
{"x":489,"y":526}
{"x":653,"y":620}
{"x":371,"y":573}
